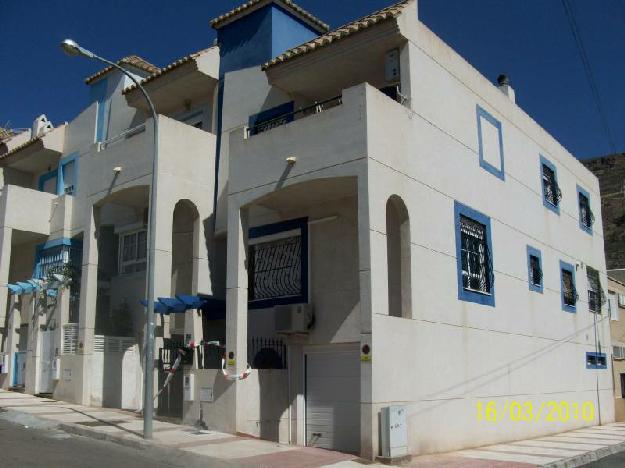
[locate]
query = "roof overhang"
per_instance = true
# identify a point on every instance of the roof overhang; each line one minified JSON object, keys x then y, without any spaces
{"x":355,"y":59}
{"x":37,"y":154}
{"x":253,"y":5}
{"x":190,"y":79}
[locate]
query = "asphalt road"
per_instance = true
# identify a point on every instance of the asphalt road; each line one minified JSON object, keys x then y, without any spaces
{"x":26,"y":442}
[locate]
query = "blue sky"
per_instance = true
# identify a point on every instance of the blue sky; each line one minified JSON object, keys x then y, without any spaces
{"x":529,"y":40}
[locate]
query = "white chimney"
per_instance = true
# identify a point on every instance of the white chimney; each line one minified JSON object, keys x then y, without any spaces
{"x":41,"y":126}
{"x":503,"y":83}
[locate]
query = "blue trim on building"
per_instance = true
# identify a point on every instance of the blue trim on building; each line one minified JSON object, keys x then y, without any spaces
{"x":582,"y":226}
{"x":568,"y":267}
{"x":249,"y":42}
{"x":596,"y":356}
{"x":275,"y":228}
{"x":264,"y":116}
{"x":464,"y":294}
{"x":531,"y":251}
{"x":99,"y":91}
{"x":483,"y":114}
{"x":548,"y":205}
{"x":43,"y":178}
{"x":72,"y":158}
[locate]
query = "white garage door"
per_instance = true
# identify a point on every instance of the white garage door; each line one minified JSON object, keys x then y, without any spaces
{"x":333,"y":400}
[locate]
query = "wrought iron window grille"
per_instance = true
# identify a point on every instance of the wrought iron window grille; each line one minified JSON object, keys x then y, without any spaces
{"x":551,"y":189}
{"x":537,"y":272}
{"x":477,"y":268}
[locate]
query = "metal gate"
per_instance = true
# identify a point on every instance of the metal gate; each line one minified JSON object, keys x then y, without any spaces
{"x":170,"y":401}
{"x":47,"y":361}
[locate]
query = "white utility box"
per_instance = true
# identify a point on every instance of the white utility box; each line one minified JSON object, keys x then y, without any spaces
{"x":189,"y":387}
{"x":293,"y":318}
{"x":56,"y":368}
{"x":394,"y":432}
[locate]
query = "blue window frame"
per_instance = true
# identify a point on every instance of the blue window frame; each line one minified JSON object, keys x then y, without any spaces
{"x":278,"y":264}
{"x":534,"y":269}
{"x":99,"y":94}
{"x":62,"y":180}
{"x":596,"y":360}
{"x":48,"y":182}
{"x":476,"y":279}
{"x":586,"y":216}
{"x":67,"y":175}
{"x":483,"y":115}
{"x":549,"y":182}
{"x":270,"y":118}
{"x":568,"y":293}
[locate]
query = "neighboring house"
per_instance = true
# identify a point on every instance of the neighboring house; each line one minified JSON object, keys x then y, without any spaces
{"x":385,"y":225}
{"x":616,"y":304}
{"x":610,"y":170}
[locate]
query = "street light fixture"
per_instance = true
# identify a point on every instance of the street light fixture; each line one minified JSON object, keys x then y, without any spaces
{"x":72,"y":48}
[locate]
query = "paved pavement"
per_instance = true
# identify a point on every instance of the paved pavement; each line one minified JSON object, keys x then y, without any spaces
{"x":613,"y":461}
{"x":210,"y":448}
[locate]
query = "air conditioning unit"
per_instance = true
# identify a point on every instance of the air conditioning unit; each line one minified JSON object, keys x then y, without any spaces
{"x":294,"y":318}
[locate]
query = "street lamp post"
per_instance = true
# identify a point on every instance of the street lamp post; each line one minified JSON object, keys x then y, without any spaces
{"x":70,"y":47}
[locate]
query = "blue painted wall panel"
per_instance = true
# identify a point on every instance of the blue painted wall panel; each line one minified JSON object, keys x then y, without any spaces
{"x":288,"y":32}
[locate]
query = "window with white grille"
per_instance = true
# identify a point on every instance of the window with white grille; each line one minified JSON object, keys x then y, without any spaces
{"x":476,"y":268}
{"x":133,"y":252}
{"x":595,"y":294}
{"x":618,"y":352}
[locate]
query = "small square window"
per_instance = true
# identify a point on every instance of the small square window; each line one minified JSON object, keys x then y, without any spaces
{"x":551,"y":191}
{"x":596,"y":361}
{"x":569,"y":292}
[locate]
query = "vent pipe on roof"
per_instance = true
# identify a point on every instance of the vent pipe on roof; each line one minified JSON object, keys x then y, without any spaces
{"x":503,"y":83}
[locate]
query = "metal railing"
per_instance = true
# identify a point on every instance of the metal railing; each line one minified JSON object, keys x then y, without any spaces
{"x":266,"y":353}
{"x":123,"y":135}
{"x":283,"y":119}
{"x":262,"y":353}
{"x":113,"y":344}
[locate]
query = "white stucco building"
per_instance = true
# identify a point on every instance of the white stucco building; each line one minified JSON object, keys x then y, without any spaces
{"x":385,"y":225}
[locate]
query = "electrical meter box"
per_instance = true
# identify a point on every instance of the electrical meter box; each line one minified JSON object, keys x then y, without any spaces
{"x":394,"y":432}
{"x":189,"y":387}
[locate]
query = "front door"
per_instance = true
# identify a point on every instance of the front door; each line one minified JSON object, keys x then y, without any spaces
{"x":332,"y":397}
{"x":19,"y":369}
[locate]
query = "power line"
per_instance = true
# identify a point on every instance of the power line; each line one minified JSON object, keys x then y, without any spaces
{"x":570,"y":15}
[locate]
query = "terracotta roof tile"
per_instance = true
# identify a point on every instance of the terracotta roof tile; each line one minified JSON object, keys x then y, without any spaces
{"x":288,"y":4}
{"x":22,"y":146}
{"x":133,"y":60}
{"x":162,"y":71}
{"x":341,"y":32}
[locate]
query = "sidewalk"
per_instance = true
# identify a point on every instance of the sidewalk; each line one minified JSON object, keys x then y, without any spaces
{"x":569,"y":449}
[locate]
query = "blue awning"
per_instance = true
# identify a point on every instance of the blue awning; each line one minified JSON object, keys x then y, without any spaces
{"x":213,"y":309}
{"x":15,"y":289}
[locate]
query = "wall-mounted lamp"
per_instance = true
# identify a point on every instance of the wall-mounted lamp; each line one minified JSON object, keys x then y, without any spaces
{"x":291,"y":160}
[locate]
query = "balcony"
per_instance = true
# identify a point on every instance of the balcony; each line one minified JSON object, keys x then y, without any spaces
{"x":329,"y":136}
{"x":184,"y":152}
{"x":35,"y":219}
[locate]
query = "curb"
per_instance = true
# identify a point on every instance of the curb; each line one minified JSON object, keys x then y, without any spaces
{"x":588,"y":457}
